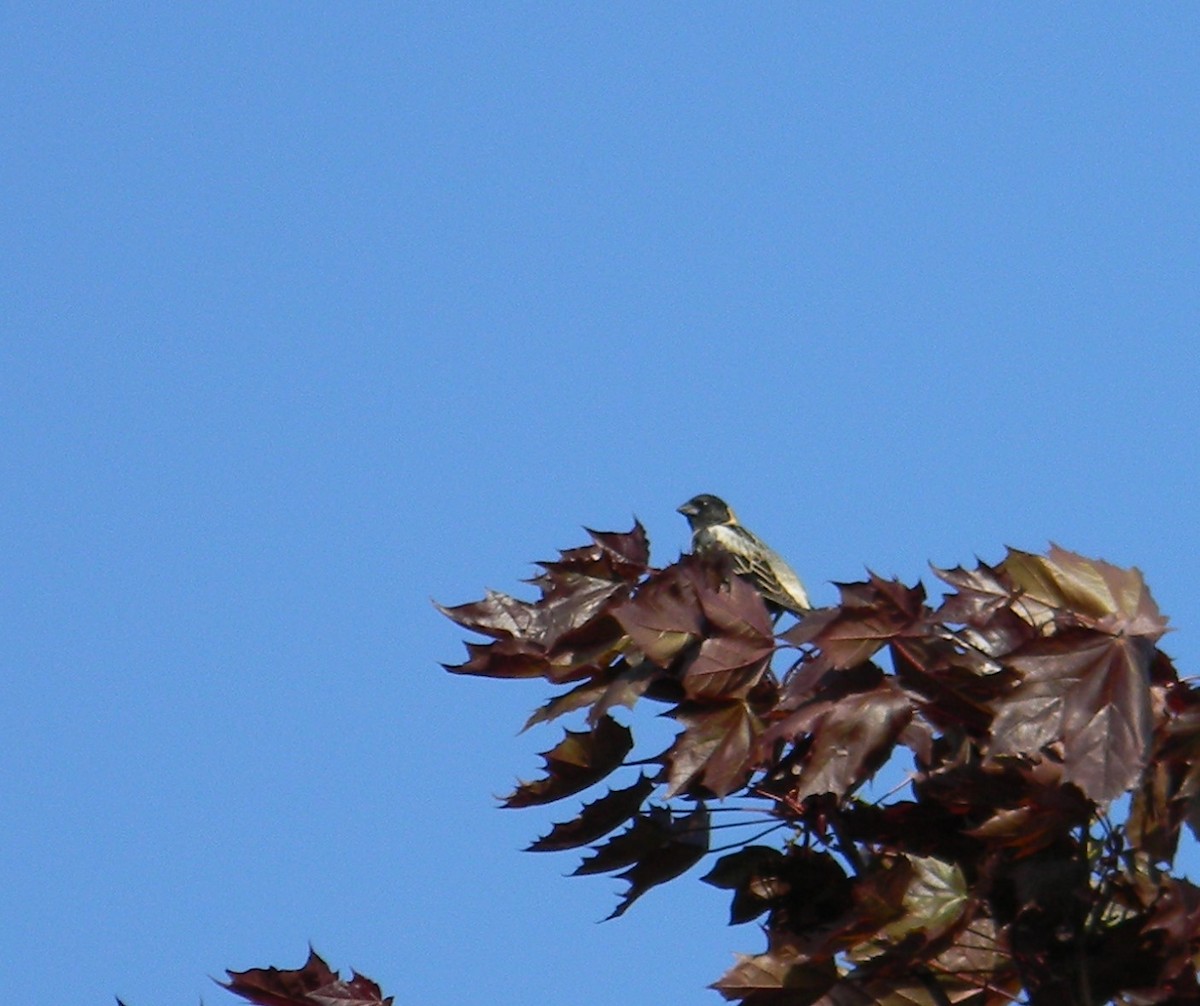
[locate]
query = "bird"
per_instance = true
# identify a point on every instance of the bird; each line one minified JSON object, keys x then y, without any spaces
{"x":715,"y":529}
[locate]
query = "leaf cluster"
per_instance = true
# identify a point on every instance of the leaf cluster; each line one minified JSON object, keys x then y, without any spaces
{"x":1027,"y":701}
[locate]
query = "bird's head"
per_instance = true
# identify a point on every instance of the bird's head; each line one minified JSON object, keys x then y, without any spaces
{"x":706,"y":510}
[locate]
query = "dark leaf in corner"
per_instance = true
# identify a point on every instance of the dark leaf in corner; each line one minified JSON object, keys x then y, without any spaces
{"x":783,"y":976}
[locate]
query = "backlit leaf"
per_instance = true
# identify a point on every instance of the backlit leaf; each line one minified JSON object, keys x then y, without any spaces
{"x":1092,"y":591}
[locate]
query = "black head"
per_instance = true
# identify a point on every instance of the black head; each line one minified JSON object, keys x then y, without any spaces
{"x":706,"y":510}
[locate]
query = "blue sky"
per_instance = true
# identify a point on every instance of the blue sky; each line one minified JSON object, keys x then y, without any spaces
{"x":313,"y":313}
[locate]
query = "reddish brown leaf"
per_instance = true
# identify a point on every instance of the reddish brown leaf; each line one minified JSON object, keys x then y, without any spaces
{"x":497,"y":615}
{"x":851,"y":732}
{"x":681,"y":847}
{"x":657,"y":848}
{"x":580,"y":759}
{"x":734,"y":607}
{"x":508,"y":658}
{"x":810,"y":626}
{"x":981,"y":594}
{"x":1154,"y":816}
{"x":312,"y":985}
{"x":871,"y":614}
{"x":1090,"y":691}
{"x":1044,"y":817}
{"x":952,"y":692}
{"x":738,"y":643}
{"x":620,"y":684}
{"x":726,"y":667}
{"x":567,"y":626}
{"x":579,"y":697}
{"x":978,"y":952}
{"x":663,"y":616}
{"x":571,"y":638}
{"x":597,"y":818}
{"x":630,"y":684}
{"x":780,"y":977}
{"x":629,"y":551}
{"x":811,"y":673}
{"x":639,"y":840}
{"x":611,"y":556}
{"x":714,"y":749}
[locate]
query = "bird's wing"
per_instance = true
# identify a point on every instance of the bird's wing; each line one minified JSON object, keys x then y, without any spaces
{"x":752,"y":558}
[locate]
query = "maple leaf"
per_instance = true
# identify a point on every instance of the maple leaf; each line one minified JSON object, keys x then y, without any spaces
{"x":508,"y":658}
{"x":953,"y":692}
{"x":1154,"y":813}
{"x":613,"y":555}
{"x":871,"y":614}
{"x":312,"y":985}
{"x":978,"y":949}
{"x":732,"y":606}
{"x":803,"y":888}
{"x":631,"y":682}
{"x":663,"y":616}
{"x":1091,"y":591}
{"x":851,"y":726}
{"x":627,"y":551}
{"x":713,"y":748}
{"x":1177,"y":767}
{"x":1090,"y":691}
{"x":581,"y":758}
{"x":619,"y":684}
{"x":580,"y":697}
{"x":1039,"y":817}
{"x":781,"y":977}
{"x":657,"y":848}
{"x":980,"y":594}
{"x":557,"y":635}
{"x":597,"y":818}
{"x":755,"y":874}
{"x":1175,"y":916}
{"x":935,"y":899}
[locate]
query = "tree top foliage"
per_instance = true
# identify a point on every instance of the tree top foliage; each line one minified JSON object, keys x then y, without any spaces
{"x":1029,"y":699}
{"x":1006,"y":867}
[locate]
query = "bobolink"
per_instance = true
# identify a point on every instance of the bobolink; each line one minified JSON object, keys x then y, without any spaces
{"x":716,"y":528}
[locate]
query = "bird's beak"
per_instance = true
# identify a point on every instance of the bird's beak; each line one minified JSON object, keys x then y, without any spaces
{"x":687,"y":509}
